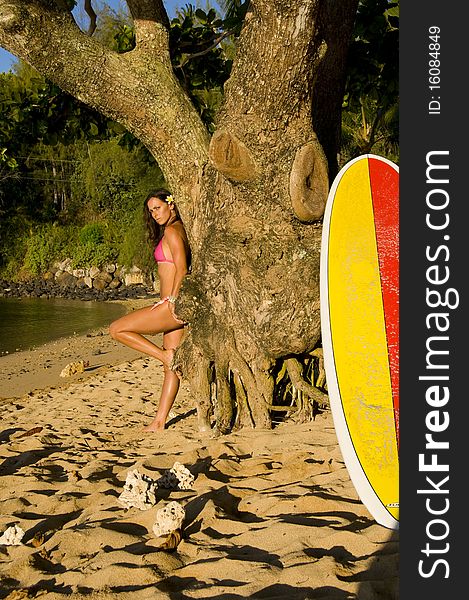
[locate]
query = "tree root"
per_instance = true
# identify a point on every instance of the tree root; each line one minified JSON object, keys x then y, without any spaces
{"x":257,"y":385}
{"x":240,"y":394}
{"x":243,"y":416}
{"x":294,"y":370}
{"x":321,"y":380}
{"x":224,"y":404}
{"x":197,"y":370}
{"x":200,"y":381}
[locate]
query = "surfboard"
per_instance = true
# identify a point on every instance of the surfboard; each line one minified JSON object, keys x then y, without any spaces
{"x":359,"y":279}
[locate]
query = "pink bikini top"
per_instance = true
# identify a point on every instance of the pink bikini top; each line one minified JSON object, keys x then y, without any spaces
{"x":159,"y":254}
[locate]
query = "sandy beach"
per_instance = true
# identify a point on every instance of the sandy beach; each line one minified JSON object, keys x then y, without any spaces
{"x":271,"y":514}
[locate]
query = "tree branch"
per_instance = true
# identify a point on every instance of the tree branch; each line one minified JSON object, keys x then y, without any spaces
{"x":137,"y":89}
{"x":271,"y":84}
{"x":213,"y":45}
{"x":151,"y":26}
{"x":148,"y":10}
{"x":277,"y":73}
{"x":92,"y":15}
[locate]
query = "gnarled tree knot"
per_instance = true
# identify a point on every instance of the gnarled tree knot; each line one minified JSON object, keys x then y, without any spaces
{"x":231,"y":157}
{"x":309,"y":182}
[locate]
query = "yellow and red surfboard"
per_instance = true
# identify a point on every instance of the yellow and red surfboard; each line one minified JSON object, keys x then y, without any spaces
{"x":360,"y":327}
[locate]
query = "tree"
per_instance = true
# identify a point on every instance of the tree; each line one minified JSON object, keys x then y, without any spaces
{"x":251,"y":195}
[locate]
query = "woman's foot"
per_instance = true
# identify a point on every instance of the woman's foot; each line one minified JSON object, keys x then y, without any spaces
{"x":155,"y":425}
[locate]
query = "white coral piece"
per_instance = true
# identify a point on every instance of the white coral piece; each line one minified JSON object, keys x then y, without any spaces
{"x":169,"y":518}
{"x":73,"y":368}
{"x":139,"y":491}
{"x":178,"y":477}
{"x":12,"y":536}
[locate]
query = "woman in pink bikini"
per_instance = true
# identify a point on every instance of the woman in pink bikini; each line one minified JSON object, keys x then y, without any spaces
{"x":172,"y":253}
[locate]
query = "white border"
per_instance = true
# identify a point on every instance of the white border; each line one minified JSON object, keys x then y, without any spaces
{"x":363,"y":487}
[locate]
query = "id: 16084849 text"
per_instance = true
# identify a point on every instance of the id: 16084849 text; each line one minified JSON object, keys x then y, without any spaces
{"x":434,"y":72}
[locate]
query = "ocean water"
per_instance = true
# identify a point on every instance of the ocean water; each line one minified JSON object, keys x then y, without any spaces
{"x":26,"y":323}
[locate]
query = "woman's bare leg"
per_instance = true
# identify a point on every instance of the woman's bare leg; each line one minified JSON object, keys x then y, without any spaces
{"x":169,"y":392}
{"x":129,"y":330}
{"x":171,"y":381}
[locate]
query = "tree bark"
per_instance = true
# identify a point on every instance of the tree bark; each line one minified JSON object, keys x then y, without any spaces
{"x":336,"y":20}
{"x":251,"y":197}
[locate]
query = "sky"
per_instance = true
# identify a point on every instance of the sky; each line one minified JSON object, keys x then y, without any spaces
{"x":7,"y":59}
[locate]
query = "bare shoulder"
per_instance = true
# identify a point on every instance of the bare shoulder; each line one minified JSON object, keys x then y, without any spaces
{"x":175,"y":233}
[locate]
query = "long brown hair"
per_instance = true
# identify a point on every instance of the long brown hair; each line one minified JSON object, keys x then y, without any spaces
{"x":155,"y":231}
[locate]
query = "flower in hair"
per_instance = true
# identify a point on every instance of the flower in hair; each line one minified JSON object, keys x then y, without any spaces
{"x":169,"y":199}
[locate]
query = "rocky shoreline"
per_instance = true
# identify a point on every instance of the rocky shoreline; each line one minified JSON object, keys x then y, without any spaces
{"x":111,"y":282}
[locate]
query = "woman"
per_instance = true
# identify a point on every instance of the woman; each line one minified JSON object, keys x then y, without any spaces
{"x":172,"y":253}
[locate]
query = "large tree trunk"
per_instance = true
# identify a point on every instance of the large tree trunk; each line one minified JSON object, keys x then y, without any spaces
{"x":251,"y":198}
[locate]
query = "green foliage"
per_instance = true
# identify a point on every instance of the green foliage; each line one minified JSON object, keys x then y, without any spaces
{"x":234,"y":10}
{"x":110,"y":181}
{"x":124,"y":38}
{"x":33,"y":109}
{"x":371,"y":97}
{"x":114,"y":29}
{"x":199,"y":59}
{"x":11,"y":163}
{"x":108,"y":188}
{"x":8,"y":165}
{"x":13,"y":239}
{"x":364,"y":131}
{"x":95,"y":247}
{"x":92,"y":245}
{"x":135,"y":248}
{"x":65,"y":169}
{"x":45,"y":244}
{"x":105,"y":185}
{"x":92,"y":234}
{"x":94,"y":254}
{"x":373,"y":54}
{"x":39,"y":185}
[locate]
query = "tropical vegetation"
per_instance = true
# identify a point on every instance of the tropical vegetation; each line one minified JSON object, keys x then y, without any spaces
{"x":65,"y":169}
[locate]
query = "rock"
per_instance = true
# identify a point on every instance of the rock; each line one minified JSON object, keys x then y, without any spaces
{"x":111,"y":268}
{"x":58,"y":283}
{"x":94,"y":272}
{"x":12,"y":536}
{"x":99,"y":284}
{"x":81,"y":283}
{"x":115,"y":283}
{"x":139,"y":491}
{"x":64,"y":265}
{"x":134,"y":276}
{"x":169,"y":519}
{"x":79,"y":273}
{"x":178,"y":477}
{"x":66,"y":279}
{"x":73,"y":368}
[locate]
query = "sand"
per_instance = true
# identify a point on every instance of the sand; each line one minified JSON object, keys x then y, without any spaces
{"x":271,"y":514}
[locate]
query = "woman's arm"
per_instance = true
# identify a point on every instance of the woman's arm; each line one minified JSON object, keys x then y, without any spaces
{"x":178,"y":252}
